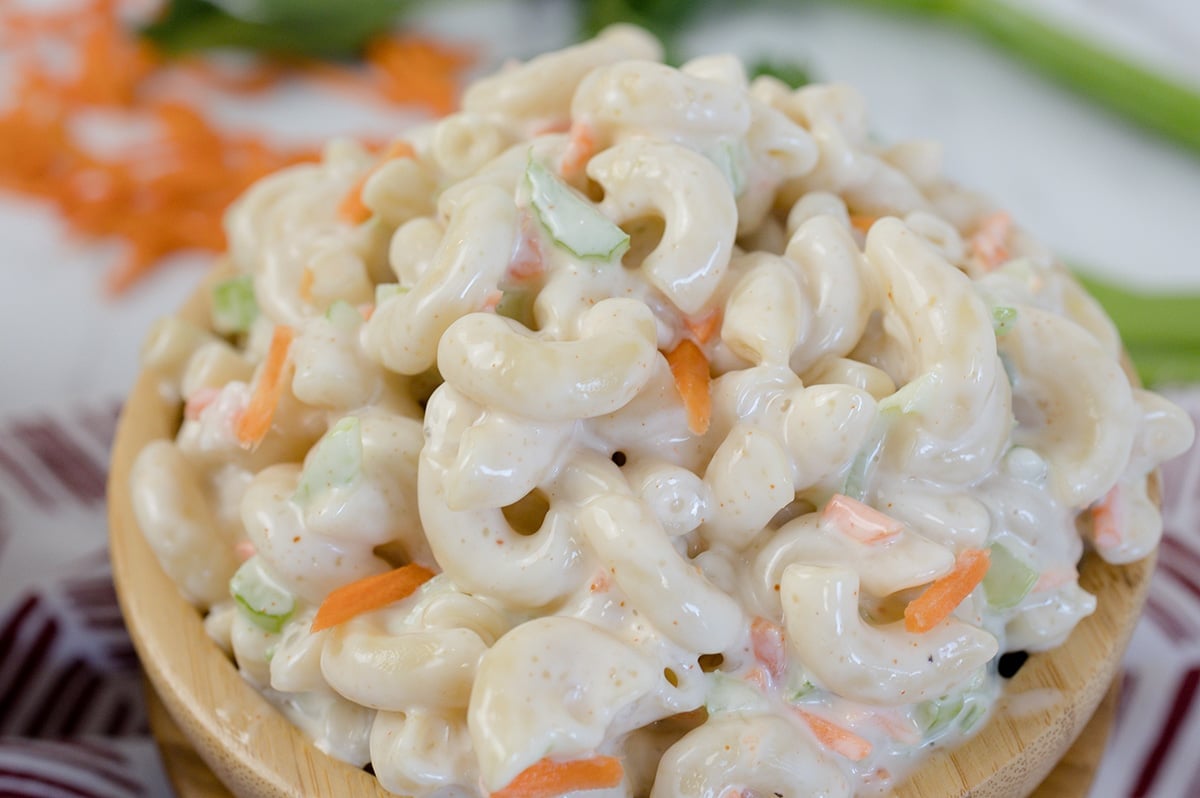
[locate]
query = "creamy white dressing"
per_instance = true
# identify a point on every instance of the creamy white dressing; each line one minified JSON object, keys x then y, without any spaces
{"x":612,"y":579}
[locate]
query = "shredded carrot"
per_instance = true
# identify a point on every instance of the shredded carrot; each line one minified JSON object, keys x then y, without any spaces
{"x":527,"y":261}
{"x":835,"y":738}
{"x":492,"y":301}
{"x":860,"y":521}
{"x":989,"y":243}
{"x":704,"y":327}
{"x":549,"y":779}
{"x":862,"y":222}
{"x":766,"y":638}
{"x":418,"y":71}
{"x":367,"y":311}
{"x":689,"y":367}
{"x":581,"y":146}
{"x":255,"y":421}
{"x":352,"y":210}
{"x":199,"y":400}
{"x":1054,"y":577}
{"x":306,"y":284}
{"x":1106,"y":520}
{"x":940,"y":599}
{"x":168,"y":193}
{"x":371,"y":593}
{"x":244,"y":550}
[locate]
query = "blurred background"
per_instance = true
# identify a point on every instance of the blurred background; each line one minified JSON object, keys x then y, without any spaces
{"x":126,"y":127}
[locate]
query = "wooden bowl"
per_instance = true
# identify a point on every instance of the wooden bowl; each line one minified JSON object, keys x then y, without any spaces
{"x":255,"y":751}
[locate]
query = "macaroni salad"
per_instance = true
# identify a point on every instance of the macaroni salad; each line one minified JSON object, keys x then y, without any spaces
{"x":640,"y":431}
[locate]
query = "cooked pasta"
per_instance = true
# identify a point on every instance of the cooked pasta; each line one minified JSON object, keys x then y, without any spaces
{"x":648,"y":426}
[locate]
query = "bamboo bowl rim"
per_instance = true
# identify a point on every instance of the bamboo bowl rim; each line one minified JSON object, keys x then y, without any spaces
{"x":256,"y":751}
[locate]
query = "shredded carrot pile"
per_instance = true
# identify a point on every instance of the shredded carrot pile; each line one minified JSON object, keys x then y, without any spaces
{"x":169,"y":193}
{"x":549,"y":779}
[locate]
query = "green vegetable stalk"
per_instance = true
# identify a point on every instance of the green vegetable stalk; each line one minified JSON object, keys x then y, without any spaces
{"x":1139,"y":94}
{"x":1160,"y":331}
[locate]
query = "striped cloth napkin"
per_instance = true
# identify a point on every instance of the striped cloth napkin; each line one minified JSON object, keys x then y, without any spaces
{"x":72,"y":712}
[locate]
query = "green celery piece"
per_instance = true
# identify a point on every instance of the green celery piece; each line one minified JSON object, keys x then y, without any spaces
{"x":1137,"y":93}
{"x":334,"y":461}
{"x":1166,"y":365}
{"x":729,"y":694}
{"x":317,"y":28}
{"x":234,"y":308}
{"x":572,"y":221}
{"x":517,"y":305}
{"x":1145,"y":318}
{"x":385,"y":291}
{"x":265,"y":603}
{"x":343,"y":315}
{"x":1003,"y":319}
{"x":937,"y":714}
{"x":1009,"y":579}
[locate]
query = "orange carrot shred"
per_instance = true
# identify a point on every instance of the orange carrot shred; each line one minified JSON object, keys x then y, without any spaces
{"x":689,"y":367}
{"x":1106,"y":520}
{"x":862,"y":222}
{"x":704,"y":327}
{"x":945,"y":594}
{"x":581,"y":146}
{"x":989,"y":243}
{"x":371,"y":593}
{"x":255,"y":421}
{"x":306,"y":284}
{"x":766,"y":638}
{"x":547,"y":778}
{"x":835,"y":738}
{"x":352,"y":210}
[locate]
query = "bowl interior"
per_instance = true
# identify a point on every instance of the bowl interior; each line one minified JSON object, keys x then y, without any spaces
{"x":256,"y":751}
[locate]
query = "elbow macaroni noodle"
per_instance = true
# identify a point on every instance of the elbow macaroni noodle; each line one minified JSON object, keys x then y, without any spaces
{"x":478,"y":387}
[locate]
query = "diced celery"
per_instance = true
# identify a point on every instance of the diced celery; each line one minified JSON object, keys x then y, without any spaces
{"x":572,"y":221}
{"x":336,"y":460}
{"x":858,"y":476}
{"x":910,"y":398}
{"x":343,"y":315}
{"x":258,"y":596}
{"x":1008,"y":578}
{"x":937,"y":714}
{"x":1003,"y":319}
{"x":233,"y":306}
{"x":729,"y":694}
{"x":798,"y":686}
{"x":385,"y":291}
{"x":730,"y":158}
{"x":518,"y":306}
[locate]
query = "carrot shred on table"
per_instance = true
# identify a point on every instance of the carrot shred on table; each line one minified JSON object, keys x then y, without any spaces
{"x":690,"y":369}
{"x":989,"y":242}
{"x":704,"y":327}
{"x":255,"y":421}
{"x":835,"y":738}
{"x":766,"y":640}
{"x":169,"y":193}
{"x":549,"y":779}
{"x":945,"y":594}
{"x":1106,"y":520}
{"x":371,"y":593}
